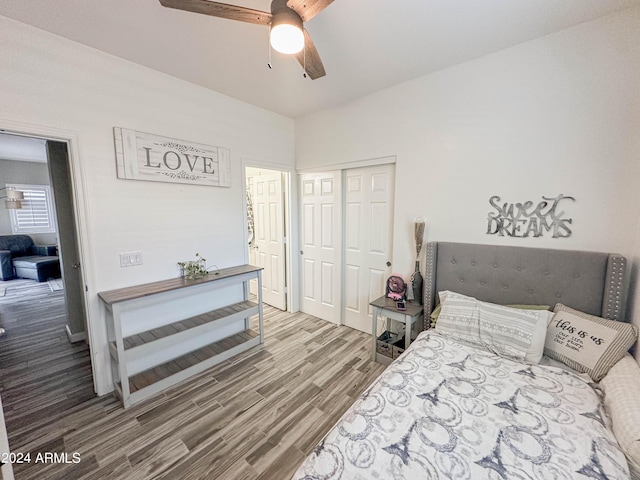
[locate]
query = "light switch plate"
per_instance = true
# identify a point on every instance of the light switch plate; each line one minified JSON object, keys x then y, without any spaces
{"x":130,"y":259}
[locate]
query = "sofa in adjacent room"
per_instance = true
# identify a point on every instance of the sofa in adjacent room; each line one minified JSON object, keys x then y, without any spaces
{"x":21,"y":258}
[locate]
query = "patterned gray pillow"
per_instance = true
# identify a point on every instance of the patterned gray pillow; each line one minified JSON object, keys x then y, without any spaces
{"x":506,"y":331}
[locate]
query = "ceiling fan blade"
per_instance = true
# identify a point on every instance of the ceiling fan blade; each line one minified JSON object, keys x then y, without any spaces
{"x":309,"y":58}
{"x":223,"y":10}
{"x":307,"y":9}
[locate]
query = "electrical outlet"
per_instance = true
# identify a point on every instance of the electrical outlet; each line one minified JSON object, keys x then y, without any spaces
{"x":130,"y":259}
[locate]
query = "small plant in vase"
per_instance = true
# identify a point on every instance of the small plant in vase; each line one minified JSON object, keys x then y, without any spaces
{"x":192,"y":269}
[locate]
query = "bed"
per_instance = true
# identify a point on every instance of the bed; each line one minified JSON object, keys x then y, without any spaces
{"x":474,"y":397}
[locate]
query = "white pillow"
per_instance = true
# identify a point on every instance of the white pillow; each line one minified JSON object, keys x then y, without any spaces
{"x":536,"y":349}
{"x":510,"y":332}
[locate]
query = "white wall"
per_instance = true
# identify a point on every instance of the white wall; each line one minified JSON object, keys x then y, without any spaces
{"x":550,"y":116}
{"x":52,"y":82}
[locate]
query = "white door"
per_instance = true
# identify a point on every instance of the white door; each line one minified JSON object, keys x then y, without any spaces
{"x":321,"y":245}
{"x":369,"y":194}
{"x":267,"y":250}
{"x":59,"y":172}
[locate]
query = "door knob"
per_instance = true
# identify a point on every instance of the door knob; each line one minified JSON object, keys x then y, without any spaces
{"x":301,"y":252}
{"x":388,"y":264}
{"x":76,"y":266}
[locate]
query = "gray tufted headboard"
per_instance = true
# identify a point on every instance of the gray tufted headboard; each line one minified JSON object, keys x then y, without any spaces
{"x":591,"y":282}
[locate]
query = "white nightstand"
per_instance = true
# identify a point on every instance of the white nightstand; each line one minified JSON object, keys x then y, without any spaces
{"x":386,"y":307}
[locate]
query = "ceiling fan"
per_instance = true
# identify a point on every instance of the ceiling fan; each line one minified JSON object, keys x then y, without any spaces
{"x":287,"y":34}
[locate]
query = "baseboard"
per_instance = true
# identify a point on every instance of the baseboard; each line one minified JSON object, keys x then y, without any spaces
{"x":76,"y":337}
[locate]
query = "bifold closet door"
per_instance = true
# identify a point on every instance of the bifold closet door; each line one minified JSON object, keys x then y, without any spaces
{"x":368,"y":240}
{"x":321,"y":245}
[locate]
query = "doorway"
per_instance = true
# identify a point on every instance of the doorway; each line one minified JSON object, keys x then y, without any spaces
{"x":40,"y":168}
{"x":267,"y":193}
{"x":346,"y":242}
{"x":51,"y":309}
{"x":46,"y":365}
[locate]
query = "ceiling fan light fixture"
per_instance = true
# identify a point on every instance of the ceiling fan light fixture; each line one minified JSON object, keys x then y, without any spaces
{"x":286,"y":38}
{"x":286,"y":32}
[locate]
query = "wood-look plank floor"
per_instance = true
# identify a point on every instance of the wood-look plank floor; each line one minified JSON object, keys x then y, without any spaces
{"x":253,"y":417}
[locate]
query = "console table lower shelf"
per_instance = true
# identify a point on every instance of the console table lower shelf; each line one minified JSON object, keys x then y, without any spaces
{"x":153,"y":347}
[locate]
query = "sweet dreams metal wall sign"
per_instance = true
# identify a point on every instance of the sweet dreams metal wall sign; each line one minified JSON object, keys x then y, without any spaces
{"x":529,"y":219}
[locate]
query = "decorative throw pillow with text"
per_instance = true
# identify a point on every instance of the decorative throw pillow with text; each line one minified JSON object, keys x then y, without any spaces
{"x":587,"y":343}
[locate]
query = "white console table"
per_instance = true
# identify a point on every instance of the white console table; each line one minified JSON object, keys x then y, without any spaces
{"x":164,"y":332}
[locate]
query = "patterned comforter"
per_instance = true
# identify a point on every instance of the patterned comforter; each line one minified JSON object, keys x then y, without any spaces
{"x":445,"y":410}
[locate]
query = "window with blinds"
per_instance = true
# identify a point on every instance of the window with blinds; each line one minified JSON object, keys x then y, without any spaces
{"x":37,"y":214}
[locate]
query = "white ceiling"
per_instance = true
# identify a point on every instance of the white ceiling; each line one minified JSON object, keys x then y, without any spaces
{"x":365,"y":45}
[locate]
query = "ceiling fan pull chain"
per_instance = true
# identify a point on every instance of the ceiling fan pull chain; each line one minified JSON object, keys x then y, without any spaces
{"x":304,"y":60}
{"x":269,"y":48}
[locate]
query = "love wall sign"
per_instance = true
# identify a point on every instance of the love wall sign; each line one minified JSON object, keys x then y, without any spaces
{"x":144,"y":156}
